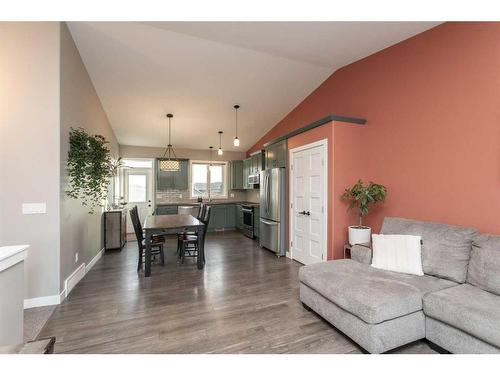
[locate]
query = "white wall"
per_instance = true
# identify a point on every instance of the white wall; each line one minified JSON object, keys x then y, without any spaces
{"x":29,"y":147}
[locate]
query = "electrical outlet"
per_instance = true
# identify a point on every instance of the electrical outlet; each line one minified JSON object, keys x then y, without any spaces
{"x":180,"y":196}
{"x":232,"y":195}
{"x":76,"y":257}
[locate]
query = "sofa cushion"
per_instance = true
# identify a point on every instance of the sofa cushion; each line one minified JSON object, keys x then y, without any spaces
{"x":445,"y":249}
{"x":484,"y":265}
{"x":371,"y":294}
{"x":467,"y":308}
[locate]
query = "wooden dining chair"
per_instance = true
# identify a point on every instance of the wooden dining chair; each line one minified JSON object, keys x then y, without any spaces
{"x":189,"y":242}
{"x":157,"y":242}
{"x":201,"y":212}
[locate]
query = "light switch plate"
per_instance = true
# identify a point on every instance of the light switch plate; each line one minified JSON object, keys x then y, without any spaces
{"x":34,"y":208}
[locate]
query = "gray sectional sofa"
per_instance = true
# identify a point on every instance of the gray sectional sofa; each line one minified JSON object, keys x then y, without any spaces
{"x":455,"y":305}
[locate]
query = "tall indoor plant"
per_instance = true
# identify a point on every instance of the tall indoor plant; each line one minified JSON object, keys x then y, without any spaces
{"x":361,"y":197}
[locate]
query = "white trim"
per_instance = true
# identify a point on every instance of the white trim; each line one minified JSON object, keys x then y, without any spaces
{"x":69,"y":285}
{"x":323,"y":142}
{"x":74,"y":278}
{"x":11,"y":255}
{"x":225,"y":178}
{"x":56,"y":299}
{"x":94,"y":260}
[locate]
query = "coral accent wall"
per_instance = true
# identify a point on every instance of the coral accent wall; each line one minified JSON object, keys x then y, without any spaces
{"x":432,"y":104}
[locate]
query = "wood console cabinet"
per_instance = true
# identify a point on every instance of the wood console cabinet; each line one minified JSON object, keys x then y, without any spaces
{"x":115,"y":229}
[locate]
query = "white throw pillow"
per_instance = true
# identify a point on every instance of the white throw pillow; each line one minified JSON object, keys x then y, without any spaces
{"x":398,"y":253}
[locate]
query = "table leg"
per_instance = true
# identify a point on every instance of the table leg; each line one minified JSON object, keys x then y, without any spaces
{"x":201,"y":250}
{"x":147,"y":262}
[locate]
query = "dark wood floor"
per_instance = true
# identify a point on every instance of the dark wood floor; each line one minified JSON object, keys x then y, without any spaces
{"x":244,"y":301}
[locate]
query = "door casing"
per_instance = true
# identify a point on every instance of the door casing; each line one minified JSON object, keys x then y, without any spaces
{"x":291,"y":217}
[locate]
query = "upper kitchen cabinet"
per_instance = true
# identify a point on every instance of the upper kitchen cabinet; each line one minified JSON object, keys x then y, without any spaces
{"x":236,"y":175}
{"x":173,"y":180}
{"x":247,"y":168}
{"x":256,"y":163}
{"x":275,"y":155}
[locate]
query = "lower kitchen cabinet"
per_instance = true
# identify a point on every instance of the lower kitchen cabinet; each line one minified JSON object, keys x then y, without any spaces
{"x":222,"y":217}
{"x":256,"y":221}
{"x":166,"y":210}
{"x":239,"y":217}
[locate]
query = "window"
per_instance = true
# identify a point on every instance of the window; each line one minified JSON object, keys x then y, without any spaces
{"x":137,"y":163}
{"x":137,"y":188}
{"x":208,"y":181}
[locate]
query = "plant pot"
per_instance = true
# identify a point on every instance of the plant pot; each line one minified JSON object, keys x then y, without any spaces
{"x":359,"y":234}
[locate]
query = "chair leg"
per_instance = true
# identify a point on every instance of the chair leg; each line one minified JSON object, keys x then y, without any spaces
{"x":139,"y":265}
{"x":183,"y":250}
{"x":178,"y":245}
{"x":162,"y":255}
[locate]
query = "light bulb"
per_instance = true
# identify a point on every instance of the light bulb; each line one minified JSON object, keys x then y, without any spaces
{"x":236,"y":142}
{"x":219,"y":152}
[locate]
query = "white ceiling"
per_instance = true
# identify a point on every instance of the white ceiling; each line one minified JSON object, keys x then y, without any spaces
{"x":199,"y":70}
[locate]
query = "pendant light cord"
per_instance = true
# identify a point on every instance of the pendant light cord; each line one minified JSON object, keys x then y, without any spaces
{"x":236,"y":114}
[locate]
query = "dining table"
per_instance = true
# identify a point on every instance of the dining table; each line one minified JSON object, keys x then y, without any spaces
{"x":172,"y":224}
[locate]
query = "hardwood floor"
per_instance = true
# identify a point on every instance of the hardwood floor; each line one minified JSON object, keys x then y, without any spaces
{"x":244,"y":301}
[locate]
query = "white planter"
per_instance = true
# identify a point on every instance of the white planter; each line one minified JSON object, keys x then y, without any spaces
{"x":359,"y":235}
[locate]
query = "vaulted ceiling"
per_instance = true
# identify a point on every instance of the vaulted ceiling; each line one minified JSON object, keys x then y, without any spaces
{"x":199,"y":70}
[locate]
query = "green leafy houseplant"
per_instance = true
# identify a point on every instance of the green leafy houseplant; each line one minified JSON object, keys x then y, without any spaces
{"x":90,"y":168}
{"x":361,"y":197}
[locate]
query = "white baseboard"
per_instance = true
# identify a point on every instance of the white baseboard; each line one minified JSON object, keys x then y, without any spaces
{"x":69,"y":284}
{"x":56,"y":299}
{"x":94,"y":260}
{"x":288,"y":254}
{"x":74,"y":278}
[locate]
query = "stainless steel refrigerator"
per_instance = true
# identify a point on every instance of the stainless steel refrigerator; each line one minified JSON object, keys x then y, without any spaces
{"x":272,"y":210}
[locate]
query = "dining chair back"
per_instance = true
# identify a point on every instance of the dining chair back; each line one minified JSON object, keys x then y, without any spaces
{"x":201,"y":211}
{"x":134,"y":216}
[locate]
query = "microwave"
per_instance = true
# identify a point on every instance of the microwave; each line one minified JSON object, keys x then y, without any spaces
{"x":253,"y":179}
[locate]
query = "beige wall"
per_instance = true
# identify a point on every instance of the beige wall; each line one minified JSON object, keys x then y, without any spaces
{"x":155,"y":152}
{"x":29,"y":148}
{"x":80,"y":107}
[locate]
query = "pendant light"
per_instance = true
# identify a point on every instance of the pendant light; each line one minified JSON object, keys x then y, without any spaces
{"x":211,"y":148}
{"x":236,"y":141}
{"x":219,"y":151}
{"x":169,"y":163}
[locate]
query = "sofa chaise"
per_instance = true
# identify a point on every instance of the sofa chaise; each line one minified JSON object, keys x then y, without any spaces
{"x":455,"y":305}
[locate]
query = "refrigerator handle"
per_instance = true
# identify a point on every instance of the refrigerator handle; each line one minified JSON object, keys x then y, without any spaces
{"x":264,"y":221}
{"x":268,"y":193}
{"x":265,"y":192}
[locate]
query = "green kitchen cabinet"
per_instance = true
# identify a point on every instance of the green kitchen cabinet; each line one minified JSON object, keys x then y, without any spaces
{"x":239,"y":217}
{"x":247,"y":168}
{"x":256,"y":221}
{"x":222,"y":217}
{"x":166,"y":210}
{"x":217,"y":217}
{"x":256,"y":163}
{"x":236,"y":175}
{"x":177,"y":180}
{"x":230,"y":216}
{"x":275,"y":155}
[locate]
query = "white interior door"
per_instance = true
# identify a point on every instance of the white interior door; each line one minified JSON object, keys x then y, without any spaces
{"x":138,"y":186}
{"x":308,"y":203}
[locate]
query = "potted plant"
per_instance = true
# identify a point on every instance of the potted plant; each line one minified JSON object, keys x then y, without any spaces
{"x":361,"y":197}
{"x":90,"y":168}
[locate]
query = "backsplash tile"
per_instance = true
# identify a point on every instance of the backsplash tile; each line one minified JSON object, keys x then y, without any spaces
{"x":179,"y":196}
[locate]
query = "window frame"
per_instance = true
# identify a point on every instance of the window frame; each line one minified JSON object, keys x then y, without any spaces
{"x":225,"y":189}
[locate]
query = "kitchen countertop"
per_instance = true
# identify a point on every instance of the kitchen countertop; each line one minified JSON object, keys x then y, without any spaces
{"x":191,"y":203}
